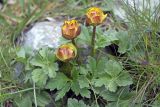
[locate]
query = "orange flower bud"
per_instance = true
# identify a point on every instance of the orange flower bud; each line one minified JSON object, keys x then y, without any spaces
{"x":95,"y":16}
{"x":66,"y":52}
{"x":71,"y":29}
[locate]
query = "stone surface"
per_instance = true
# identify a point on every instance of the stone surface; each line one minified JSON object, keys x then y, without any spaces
{"x":43,"y":34}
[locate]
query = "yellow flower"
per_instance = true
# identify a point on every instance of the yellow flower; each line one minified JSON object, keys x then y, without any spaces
{"x":66,"y":52}
{"x":71,"y":29}
{"x":95,"y":16}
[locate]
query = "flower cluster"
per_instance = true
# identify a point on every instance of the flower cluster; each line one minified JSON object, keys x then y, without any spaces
{"x":71,"y":29}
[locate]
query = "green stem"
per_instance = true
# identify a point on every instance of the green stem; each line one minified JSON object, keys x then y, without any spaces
{"x":34,"y":92}
{"x":67,"y":68}
{"x":74,"y":43}
{"x":93,"y":41}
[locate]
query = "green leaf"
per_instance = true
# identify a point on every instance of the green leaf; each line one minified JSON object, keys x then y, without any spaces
{"x":76,"y":103}
{"x":113,"y":68}
{"x":50,"y":56}
{"x":101,"y":65}
{"x":83,"y":82}
{"x":75,"y":87}
{"x":105,"y":38}
{"x":123,"y":42}
{"x":92,"y":65}
{"x":84,"y":37}
{"x":111,"y":83}
{"x":83,"y":71}
{"x":52,"y":70}
{"x":126,"y":41}
{"x":96,"y":67}
{"x":100,"y":82}
{"x":43,"y":99}
{"x":39,"y":76}
{"x":62,"y":92}
{"x":124,"y":79}
{"x":75,"y":73}
{"x":112,"y":86}
{"x":24,"y":102}
{"x":85,"y":93}
{"x":43,"y":52}
{"x":21,"y":53}
{"x":107,"y":81}
{"x":109,"y":96}
{"x":115,"y":77}
{"x":58,"y":82}
{"x":37,"y":62}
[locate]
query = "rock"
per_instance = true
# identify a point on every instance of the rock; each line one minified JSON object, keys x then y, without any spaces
{"x":42,"y":34}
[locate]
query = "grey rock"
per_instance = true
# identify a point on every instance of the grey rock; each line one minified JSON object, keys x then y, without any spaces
{"x":43,"y":34}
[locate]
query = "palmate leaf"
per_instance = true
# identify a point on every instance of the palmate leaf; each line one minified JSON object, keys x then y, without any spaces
{"x":109,"y":96}
{"x":80,"y":84}
{"x":24,"y":102}
{"x":120,"y":98}
{"x":43,"y":58}
{"x":123,"y":42}
{"x":83,"y":82}
{"x":126,"y":41}
{"x":124,"y":79}
{"x":58,"y":82}
{"x":37,"y":61}
{"x":84,"y":37}
{"x":45,"y":61}
{"x":101,"y":64}
{"x":96,"y":67}
{"x":21,"y":53}
{"x":51,"y":70}
{"x":84,"y":92}
{"x":39,"y":77}
{"x":63,"y":84}
{"x":26,"y":99}
{"x":83,"y":71}
{"x":111,"y":83}
{"x":107,"y":81}
{"x":61,"y":93}
{"x":76,"y":103}
{"x":43,"y":98}
{"x":113,"y":68}
{"x":105,"y":38}
{"x":75,"y":87}
{"x":92,"y":64}
{"x":113,"y":77}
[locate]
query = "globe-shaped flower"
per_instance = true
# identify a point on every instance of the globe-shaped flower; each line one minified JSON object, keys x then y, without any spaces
{"x":71,"y":29}
{"x":95,"y":16}
{"x":66,"y":52}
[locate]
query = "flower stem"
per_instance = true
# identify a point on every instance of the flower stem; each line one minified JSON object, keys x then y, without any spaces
{"x":34,"y":92}
{"x":74,"y":43}
{"x":93,"y":41}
